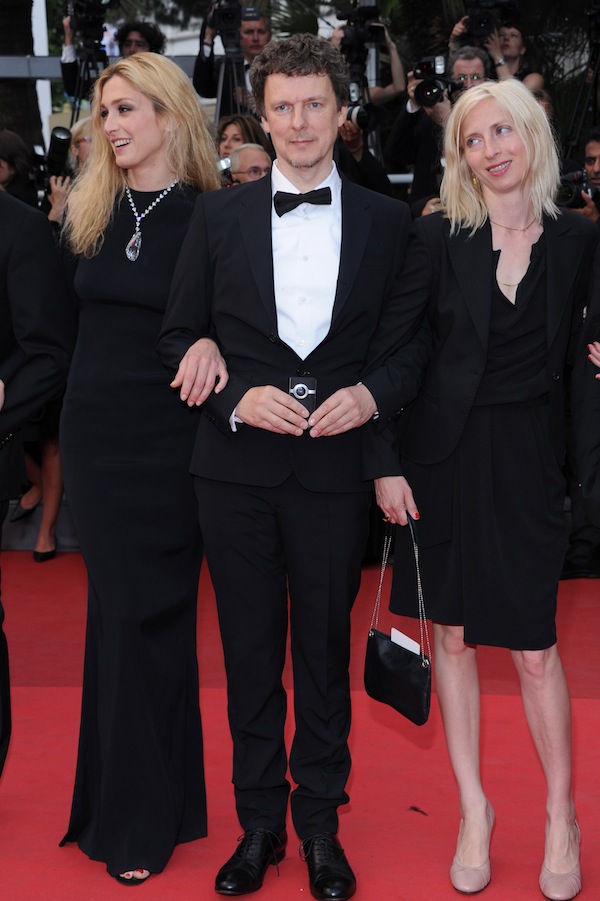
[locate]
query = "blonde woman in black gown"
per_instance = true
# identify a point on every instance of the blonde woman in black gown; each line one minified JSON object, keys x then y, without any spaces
{"x":139,"y":787}
{"x":502,"y":277}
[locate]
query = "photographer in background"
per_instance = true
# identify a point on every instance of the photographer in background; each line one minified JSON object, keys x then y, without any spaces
{"x":582,"y":559}
{"x":416,"y":134}
{"x":588,"y":188}
{"x":132,"y":37}
{"x":244,"y":32}
{"x":505,"y":44}
{"x":16,"y":167}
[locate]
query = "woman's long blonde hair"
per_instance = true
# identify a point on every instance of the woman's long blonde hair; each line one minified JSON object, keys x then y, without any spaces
{"x":188,"y":147}
{"x":460,"y":193}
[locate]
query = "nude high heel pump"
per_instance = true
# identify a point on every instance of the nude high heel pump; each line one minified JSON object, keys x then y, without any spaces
{"x":562,"y":886}
{"x":470,"y":880}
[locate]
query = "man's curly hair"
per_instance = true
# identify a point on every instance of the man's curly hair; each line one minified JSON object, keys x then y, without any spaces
{"x":300,"y":54}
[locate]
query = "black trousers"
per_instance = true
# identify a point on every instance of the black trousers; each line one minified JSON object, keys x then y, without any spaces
{"x":260,"y":543}
{"x":5,"y":716}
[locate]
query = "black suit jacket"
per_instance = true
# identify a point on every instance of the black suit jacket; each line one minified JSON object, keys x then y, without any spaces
{"x":585,"y":405}
{"x":36,"y":322}
{"x":452,"y":278}
{"x":223,"y":286}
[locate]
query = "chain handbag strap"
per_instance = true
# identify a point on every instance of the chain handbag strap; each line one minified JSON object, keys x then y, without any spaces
{"x":425,"y":647}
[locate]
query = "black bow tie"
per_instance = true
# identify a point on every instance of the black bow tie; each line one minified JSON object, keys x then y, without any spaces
{"x":285,"y":202}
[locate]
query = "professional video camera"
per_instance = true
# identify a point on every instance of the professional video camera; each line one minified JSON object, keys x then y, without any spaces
{"x":362,"y":31}
{"x":485,"y":16}
{"x":226,"y":17}
{"x":363,"y":26}
{"x":571,"y":186}
{"x":87,"y":19}
{"x":434,"y":86}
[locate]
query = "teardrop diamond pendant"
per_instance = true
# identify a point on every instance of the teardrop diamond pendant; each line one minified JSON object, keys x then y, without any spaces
{"x":132,"y":251}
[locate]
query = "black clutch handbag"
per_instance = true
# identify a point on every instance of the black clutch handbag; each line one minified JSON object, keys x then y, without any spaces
{"x":394,"y":674}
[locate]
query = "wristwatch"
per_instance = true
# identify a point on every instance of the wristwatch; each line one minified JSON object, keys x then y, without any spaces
{"x":500,"y":62}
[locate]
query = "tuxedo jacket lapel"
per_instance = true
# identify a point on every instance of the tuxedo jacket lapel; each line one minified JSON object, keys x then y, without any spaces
{"x":255,"y":224}
{"x":356,"y":225}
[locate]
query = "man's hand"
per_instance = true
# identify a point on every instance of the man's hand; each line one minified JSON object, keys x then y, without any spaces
{"x":269,"y":408}
{"x":201,"y":371}
{"x":57,"y":196}
{"x":395,"y":499}
{"x":589,"y":210}
{"x":594,"y":355}
{"x":347,"y":409}
{"x":439,"y":112}
{"x":411,"y":84}
{"x":457,"y":32}
{"x":353,"y":138}
{"x":69,"y":34}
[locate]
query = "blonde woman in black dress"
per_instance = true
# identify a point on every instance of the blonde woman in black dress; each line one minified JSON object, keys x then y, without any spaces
{"x":126,"y":446}
{"x":502,"y":278}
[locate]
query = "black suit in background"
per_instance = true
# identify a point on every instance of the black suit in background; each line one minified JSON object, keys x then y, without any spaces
{"x":36,"y":334}
{"x":277,"y":508}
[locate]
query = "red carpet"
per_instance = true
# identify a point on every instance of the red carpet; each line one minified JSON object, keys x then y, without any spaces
{"x":397,"y":852}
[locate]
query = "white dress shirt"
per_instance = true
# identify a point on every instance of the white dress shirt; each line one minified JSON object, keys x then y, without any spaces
{"x":306,"y":262}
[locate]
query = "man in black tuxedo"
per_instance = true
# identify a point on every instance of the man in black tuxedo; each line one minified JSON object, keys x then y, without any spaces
{"x":295,"y":276}
{"x":35,"y":343}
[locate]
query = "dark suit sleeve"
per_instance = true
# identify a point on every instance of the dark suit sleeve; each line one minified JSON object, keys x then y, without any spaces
{"x":188,"y":315}
{"x":204,"y":78}
{"x":399,"y":354}
{"x":399,"y":351}
{"x":585,"y":403}
{"x":33,"y":289}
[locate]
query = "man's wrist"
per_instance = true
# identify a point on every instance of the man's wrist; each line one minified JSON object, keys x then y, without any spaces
{"x":500,"y":62}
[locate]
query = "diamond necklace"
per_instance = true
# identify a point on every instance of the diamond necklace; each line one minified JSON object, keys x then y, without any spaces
{"x":132,"y":251}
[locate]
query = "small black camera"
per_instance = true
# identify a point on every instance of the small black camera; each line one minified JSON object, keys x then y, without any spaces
{"x":571,"y":186}
{"x":304,"y":389}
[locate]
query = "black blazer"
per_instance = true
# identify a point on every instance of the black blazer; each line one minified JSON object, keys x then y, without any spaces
{"x":36,"y":322}
{"x":452,"y":279}
{"x":585,"y":405}
{"x":223,"y":286}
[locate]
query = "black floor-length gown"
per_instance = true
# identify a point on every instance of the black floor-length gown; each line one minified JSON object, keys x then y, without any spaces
{"x":126,"y":446}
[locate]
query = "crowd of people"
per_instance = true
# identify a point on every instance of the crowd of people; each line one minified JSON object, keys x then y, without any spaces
{"x":238,"y":338}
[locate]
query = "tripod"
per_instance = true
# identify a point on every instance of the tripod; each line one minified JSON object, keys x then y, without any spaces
{"x":91,"y":63}
{"x":232,"y":75}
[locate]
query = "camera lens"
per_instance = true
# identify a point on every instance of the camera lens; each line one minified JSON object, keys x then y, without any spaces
{"x":429,"y":92}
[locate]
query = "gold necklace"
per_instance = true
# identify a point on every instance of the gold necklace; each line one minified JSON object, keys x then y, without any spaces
{"x":508,"y":284}
{"x":511,"y":228}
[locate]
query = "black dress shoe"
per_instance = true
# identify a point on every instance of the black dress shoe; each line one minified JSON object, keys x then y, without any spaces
{"x":245,"y":870}
{"x":329,"y":875}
